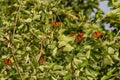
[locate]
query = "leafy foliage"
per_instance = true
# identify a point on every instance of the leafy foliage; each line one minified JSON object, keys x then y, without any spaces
{"x":58,"y":40}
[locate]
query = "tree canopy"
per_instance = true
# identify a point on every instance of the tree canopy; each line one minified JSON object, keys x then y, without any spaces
{"x":59,"y":40}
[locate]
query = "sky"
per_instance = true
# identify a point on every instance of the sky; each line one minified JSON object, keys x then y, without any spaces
{"x":103,"y":6}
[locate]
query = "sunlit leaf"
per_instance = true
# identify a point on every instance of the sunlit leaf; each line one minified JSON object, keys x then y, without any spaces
{"x":110,"y":50}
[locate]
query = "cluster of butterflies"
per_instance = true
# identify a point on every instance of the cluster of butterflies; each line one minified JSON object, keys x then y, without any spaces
{"x":79,"y":37}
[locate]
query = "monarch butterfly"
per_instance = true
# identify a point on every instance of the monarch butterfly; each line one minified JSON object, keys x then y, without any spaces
{"x":79,"y":38}
{"x":72,"y":34}
{"x":8,"y":62}
{"x":81,"y":33}
{"x":41,"y":60}
{"x":97,"y":34}
{"x":57,"y":24}
{"x":5,"y":30}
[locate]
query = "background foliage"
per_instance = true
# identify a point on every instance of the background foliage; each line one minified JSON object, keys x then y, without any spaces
{"x":58,"y":40}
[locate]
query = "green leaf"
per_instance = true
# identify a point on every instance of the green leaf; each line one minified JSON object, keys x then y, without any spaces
{"x":89,"y":74}
{"x":108,"y":60}
{"x":88,"y":54}
{"x":68,"y":47}
{"x":77,"y":73}
{"x":36,"y":17}
{"x":61,"y":31}
{"x":88,"y":31}
{"x":43,"y":16}
{"x":102,"y":0}
{"x":84,"y":63}
{"x":105,"y":77}
{"x":87,"y":47}
{"x":109,"y":74}
{"x":109,"y":3}
{"x":94,"y":56}
{"x":28,"y":48}
{"x":111,"y":50}
{"x":65,"y":38}
{"x":28,"y":20}
{"x":54,"y":52}
{"x":2,"y":78}
{"x":67,"y":77}
{"x":77,"y":61}
{"x":62,"y":44}
{"x":115,"y":56}
{"x":93,"y":71}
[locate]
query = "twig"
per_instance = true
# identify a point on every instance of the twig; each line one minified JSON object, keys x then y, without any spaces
{"x":41,"y":49}
{"x":16,"y":18}
{"x":116,"y":36}
{"x":41,"y":45}
{"x":115,"y":21}
{"x":12,"y":43}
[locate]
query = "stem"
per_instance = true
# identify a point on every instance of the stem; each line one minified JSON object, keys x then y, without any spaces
{"x":41,"y":44}
{"x":116,"y":36}
{"x":115,"y":21}
{"x":41,"y":49}
{"x":12,"y":40}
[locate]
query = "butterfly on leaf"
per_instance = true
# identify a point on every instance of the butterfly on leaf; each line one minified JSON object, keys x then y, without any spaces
{"x":72,"y":34}
{"x":79,"y":37}
{"x":8,"y":62}
{"x":41,"y":60}
{"x":56,"y":24}
{"x":96,"y":34}
{"x":81,"y":34}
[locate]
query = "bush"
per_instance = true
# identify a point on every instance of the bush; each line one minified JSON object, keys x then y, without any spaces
{"x":58,"y":40}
